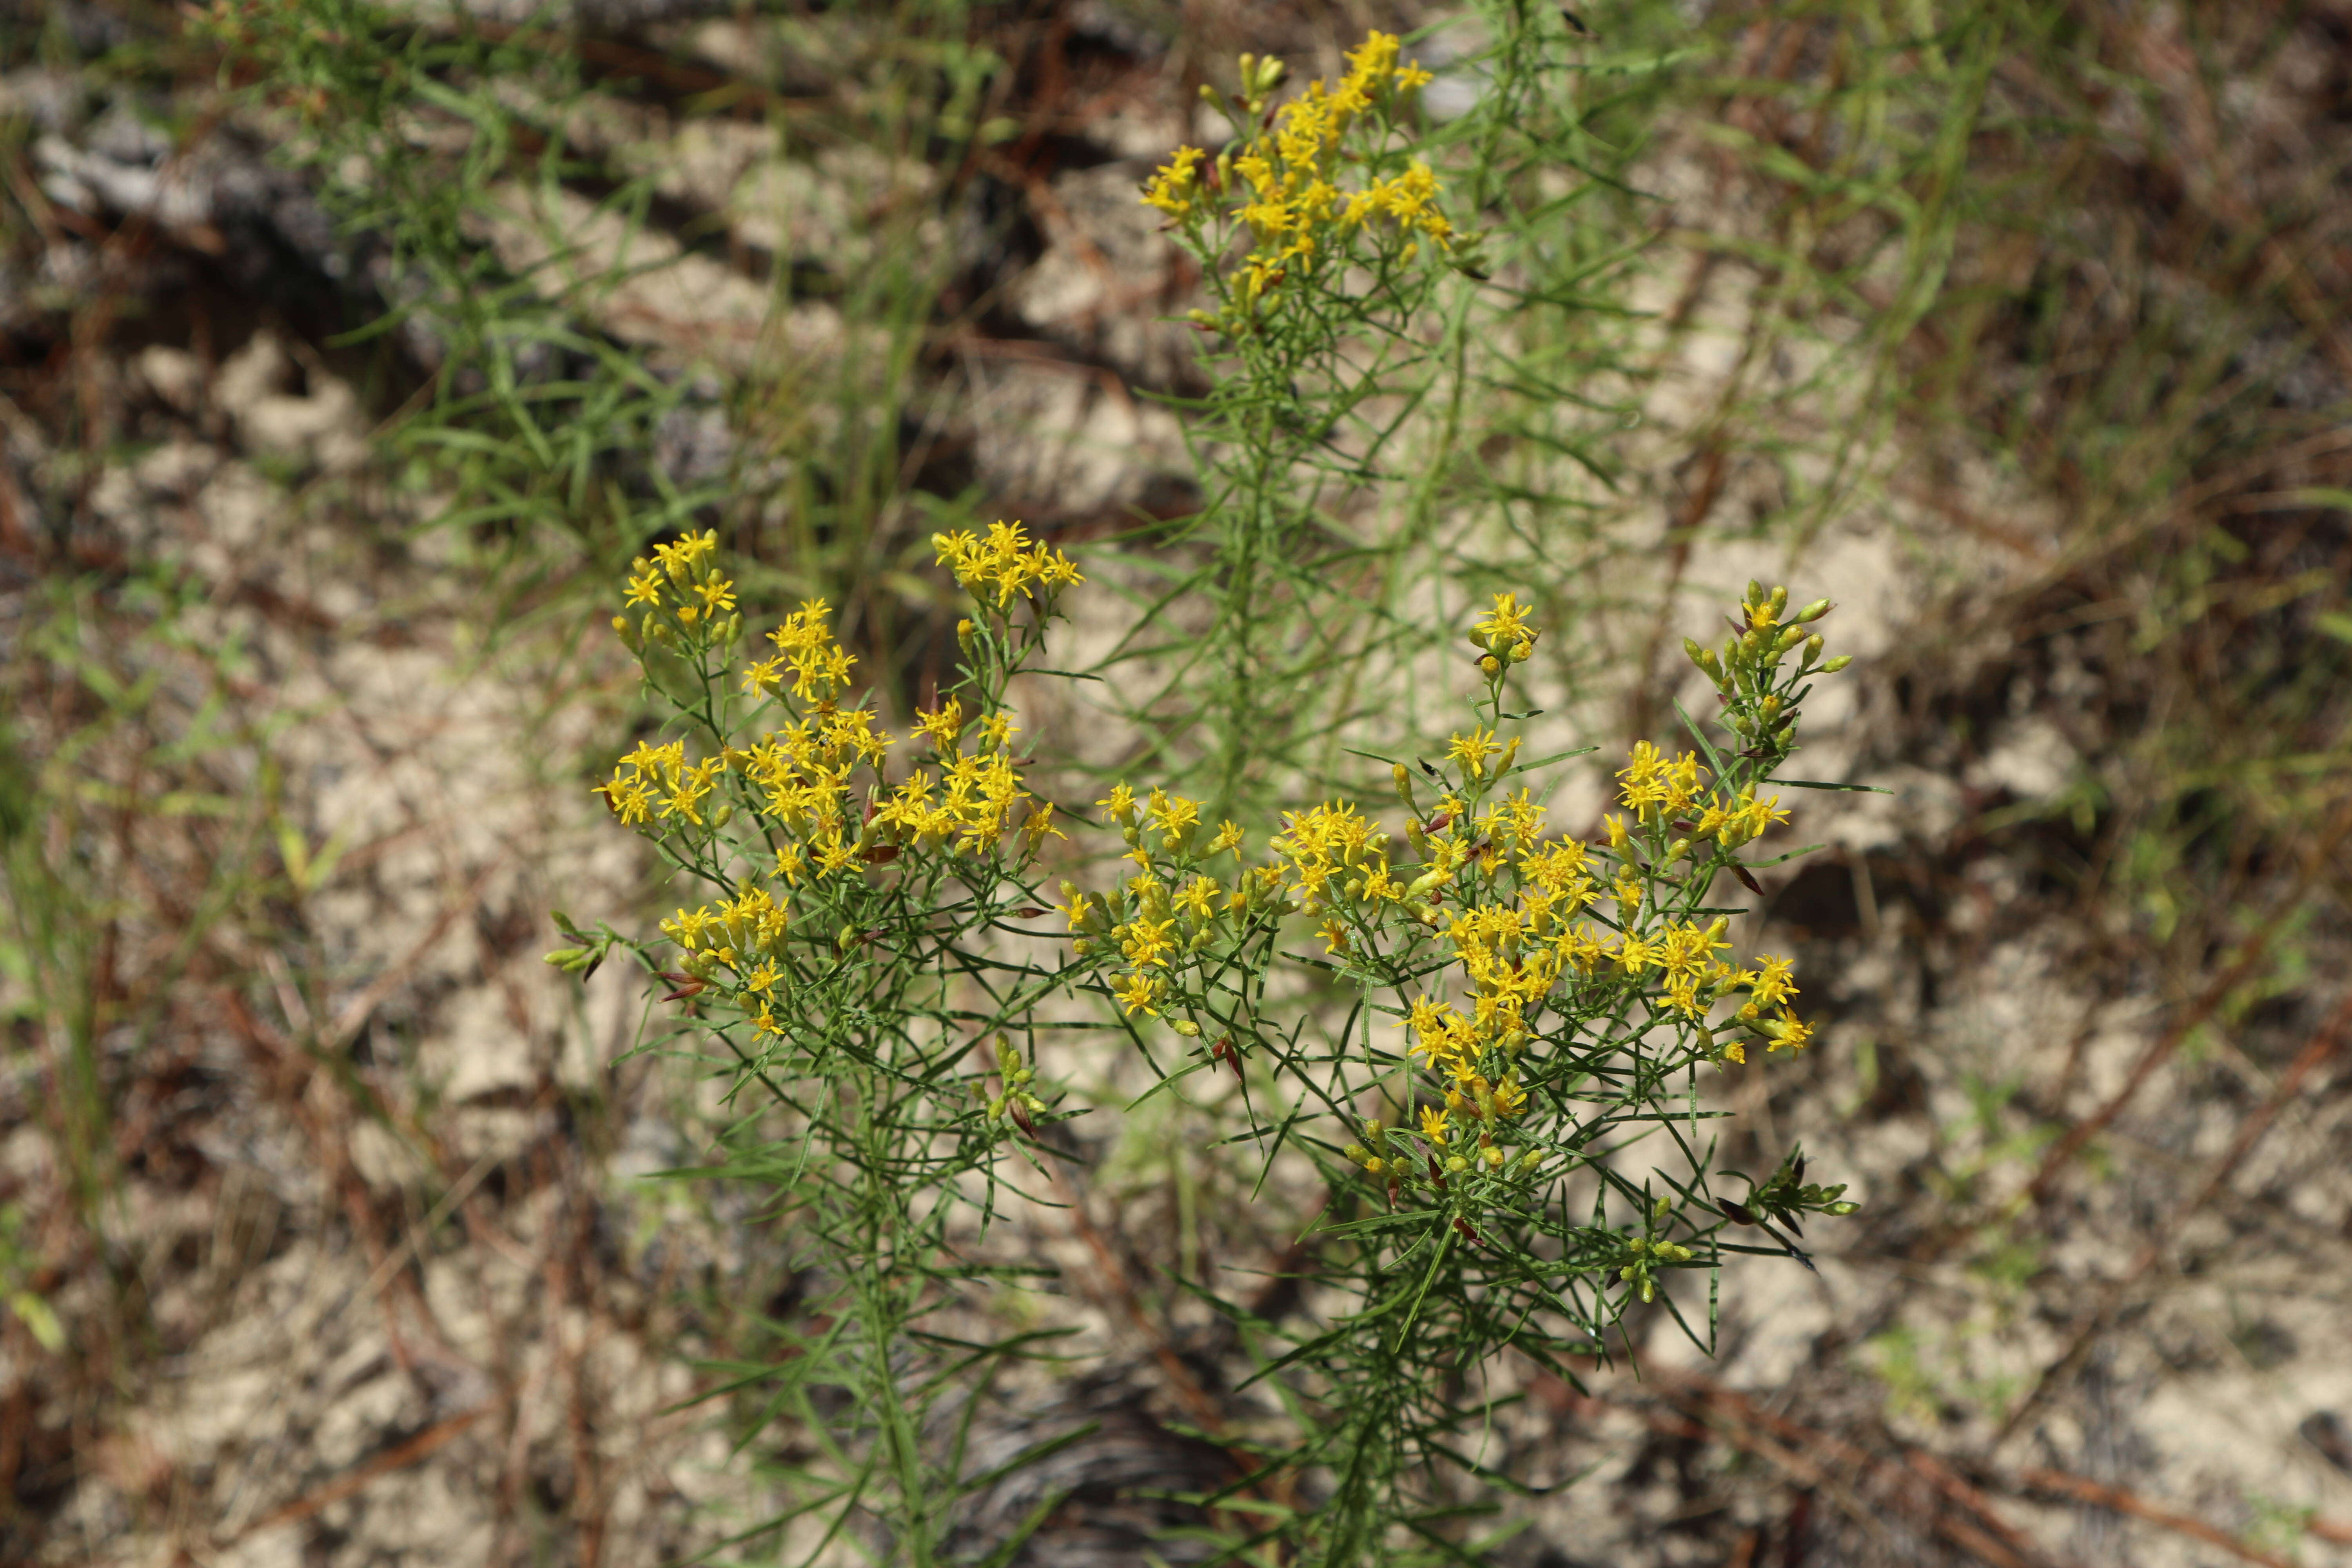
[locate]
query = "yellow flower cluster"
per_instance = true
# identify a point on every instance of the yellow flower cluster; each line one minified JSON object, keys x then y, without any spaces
{"x":1283,"y":184}
{"x":1005,"y":565}
{"x":1536,"y":929}
{"x":1651,"y":786}
{"x":746,"y":935}
{"x":655,"y":784}
{"x":678,"y":588}
{"x":1503,"y":637}
{"x":818,"y":783}
{"x":1174,"y":908}
{"x":806,"y":654}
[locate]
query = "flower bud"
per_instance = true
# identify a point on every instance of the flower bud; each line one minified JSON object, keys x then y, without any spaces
{"x":1510,"y":755}
{"x":1779,"y":604}
{"x":627,"y":633}
{"x":1814,"y":611}
{"x":1404,"y":787}
{"x":1456,"y":1165}
{"x":1186,"y":1028}
{"x":1813,"y":646}
{"x":1840,"y":662}
{"x":1490,"y":666}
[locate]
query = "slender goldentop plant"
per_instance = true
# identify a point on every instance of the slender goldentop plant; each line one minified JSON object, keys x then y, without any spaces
{"x":1500,"y":1086}
{"x":856,"y":939}
{"x":1501,"y":1091}
{"x":1320,"y":239}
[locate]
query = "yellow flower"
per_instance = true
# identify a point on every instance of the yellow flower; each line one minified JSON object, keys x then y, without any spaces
{"x":762,"y":980}
{"x":1509,"y":1099}
{"x":1229,"y":836}
{"x":1473,"y":749}
{"x":1174,"y":816}
{"x":717,"y":594}
{"x":1556,"y":867}
{"x":1755,"y":817}
{"x":1199,"y":898}
{"x":1139,"y":995}
{"x":1148,"y":942}
{"x":1173,"y":187}
{"x":1433,"y":1124}
{"x":1770,"y":982}
{"x":644,"y":586}
{"x":1504,"y":624}
{"x":1120,"y":805}
{"x":687,"y":927}
{"x":943,"y":725}
{"x":1371,"y":61}
{"x":1335,"y":935}
{"x":1787,"y":1030}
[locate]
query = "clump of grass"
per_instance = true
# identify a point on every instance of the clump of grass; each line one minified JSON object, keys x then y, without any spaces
{"x":137,"y":856}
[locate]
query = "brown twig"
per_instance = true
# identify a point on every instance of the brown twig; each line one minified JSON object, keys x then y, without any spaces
{"x":2121,"y":1501}
{"x":1982,"y":1531}
{"x":428,"y":1441}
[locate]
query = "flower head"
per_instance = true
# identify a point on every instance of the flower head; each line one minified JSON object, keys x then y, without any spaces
{"x":1473,"y":749}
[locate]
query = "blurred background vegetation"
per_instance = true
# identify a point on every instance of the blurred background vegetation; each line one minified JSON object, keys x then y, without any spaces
{"x":346,"y":349}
